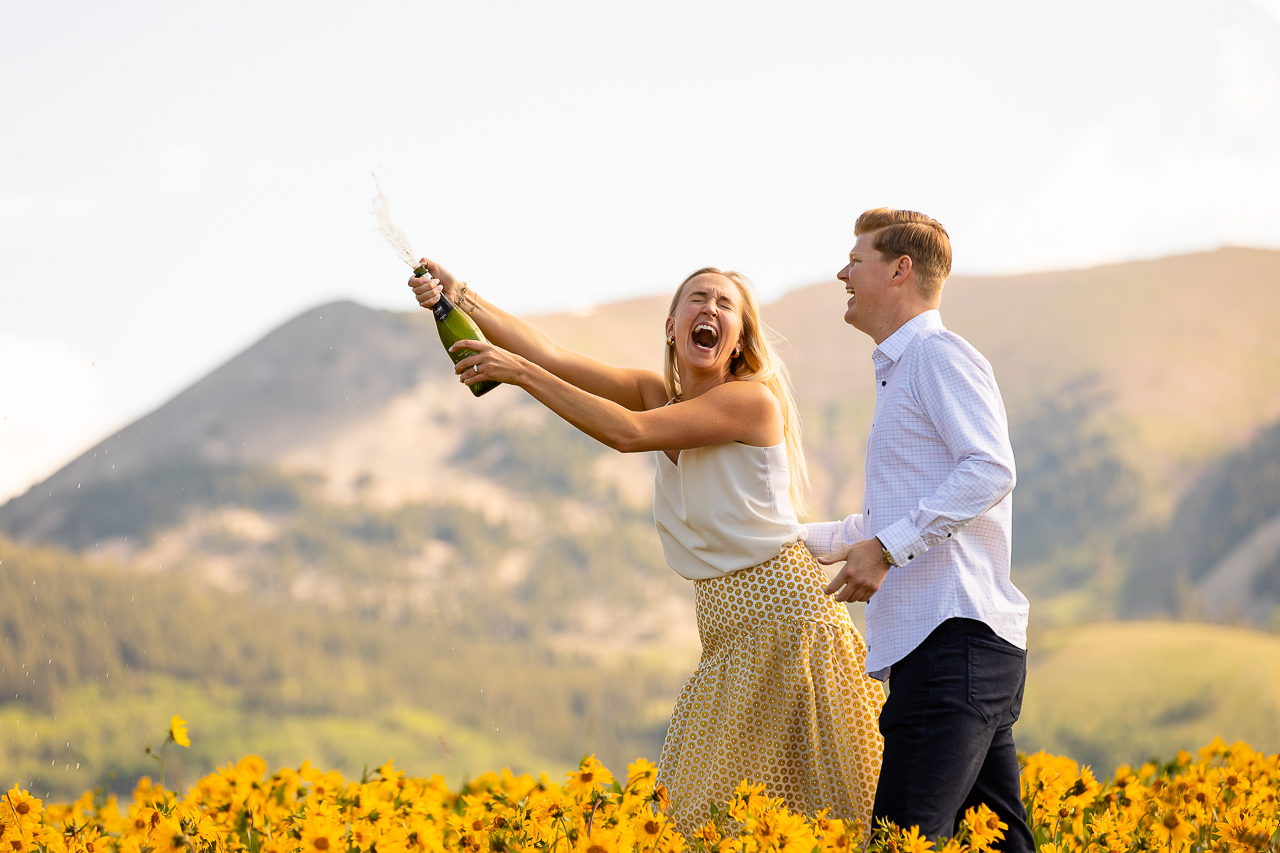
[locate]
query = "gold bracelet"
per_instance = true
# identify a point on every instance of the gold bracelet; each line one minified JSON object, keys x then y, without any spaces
{"x":466,"y":294}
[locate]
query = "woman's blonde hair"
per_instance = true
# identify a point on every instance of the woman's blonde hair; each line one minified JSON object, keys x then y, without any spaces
{"x":758,"y":362}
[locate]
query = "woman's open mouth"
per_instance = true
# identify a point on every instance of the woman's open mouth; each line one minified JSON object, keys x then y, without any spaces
{"x":705,"y":337}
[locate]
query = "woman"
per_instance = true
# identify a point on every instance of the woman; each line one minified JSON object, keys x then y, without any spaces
{"x":780,"y":695}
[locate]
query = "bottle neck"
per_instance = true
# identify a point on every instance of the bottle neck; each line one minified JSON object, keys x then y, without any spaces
{"x":442,"y":308}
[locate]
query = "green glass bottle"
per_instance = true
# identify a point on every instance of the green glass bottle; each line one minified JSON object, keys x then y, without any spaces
{"x":454,"y":325}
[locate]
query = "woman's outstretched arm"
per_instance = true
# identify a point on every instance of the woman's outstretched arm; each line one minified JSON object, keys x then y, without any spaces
{"x":746,"y":412}
{"x":632,"y":388}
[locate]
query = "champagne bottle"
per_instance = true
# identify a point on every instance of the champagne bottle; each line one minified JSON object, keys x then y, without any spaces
{"x":454,"y":325}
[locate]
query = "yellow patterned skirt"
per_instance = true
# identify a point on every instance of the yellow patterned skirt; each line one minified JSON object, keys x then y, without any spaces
{"x":781,"y":696}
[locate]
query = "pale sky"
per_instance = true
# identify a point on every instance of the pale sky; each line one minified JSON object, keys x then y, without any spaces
{"x":178,"y":179}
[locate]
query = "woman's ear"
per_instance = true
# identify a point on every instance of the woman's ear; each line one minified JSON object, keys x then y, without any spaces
{"x":670,"y":328}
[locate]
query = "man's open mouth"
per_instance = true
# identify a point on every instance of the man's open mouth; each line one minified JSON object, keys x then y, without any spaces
{"x":705,"y":336}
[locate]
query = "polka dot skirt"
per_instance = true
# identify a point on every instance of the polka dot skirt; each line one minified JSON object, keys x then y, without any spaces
{"x":781,"y":696}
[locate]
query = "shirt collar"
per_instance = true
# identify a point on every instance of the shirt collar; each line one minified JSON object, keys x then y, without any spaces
{"x":895,"y":345}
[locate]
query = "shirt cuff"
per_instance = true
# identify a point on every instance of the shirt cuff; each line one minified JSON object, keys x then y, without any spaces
{"x":825,"y":538}
{"x":902,"y":541}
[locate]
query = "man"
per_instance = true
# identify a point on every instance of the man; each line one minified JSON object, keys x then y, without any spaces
{"x":930,"y":551}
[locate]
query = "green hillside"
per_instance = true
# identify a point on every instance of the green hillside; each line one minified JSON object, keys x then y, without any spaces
{"x":99,"y":736}
{"x":1126,"y":691}
{"x":1103,"y":694}
{"x":95,"y":658}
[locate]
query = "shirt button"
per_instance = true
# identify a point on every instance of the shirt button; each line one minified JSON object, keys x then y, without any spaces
{"x":883,"y":383}
{"x":911,"y":556}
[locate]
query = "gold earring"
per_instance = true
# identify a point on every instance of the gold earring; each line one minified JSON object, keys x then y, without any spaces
{"x":671,"y":342}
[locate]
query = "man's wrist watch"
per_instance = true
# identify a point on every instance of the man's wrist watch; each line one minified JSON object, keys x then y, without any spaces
{"x":888,"y":558}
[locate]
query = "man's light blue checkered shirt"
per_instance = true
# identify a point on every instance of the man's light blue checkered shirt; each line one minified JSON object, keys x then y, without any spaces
{"x":940,"y":478}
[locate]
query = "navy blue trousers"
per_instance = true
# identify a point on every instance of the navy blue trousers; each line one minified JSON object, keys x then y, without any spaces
{"x":948,"y":733}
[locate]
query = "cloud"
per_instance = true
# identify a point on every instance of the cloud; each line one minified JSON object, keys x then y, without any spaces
{"x":53,"y":406}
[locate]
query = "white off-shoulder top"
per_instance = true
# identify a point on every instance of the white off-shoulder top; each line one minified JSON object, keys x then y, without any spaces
{"x":724,"y":508}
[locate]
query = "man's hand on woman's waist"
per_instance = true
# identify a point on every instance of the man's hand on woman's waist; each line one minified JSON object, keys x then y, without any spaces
{"x":864,"y":571}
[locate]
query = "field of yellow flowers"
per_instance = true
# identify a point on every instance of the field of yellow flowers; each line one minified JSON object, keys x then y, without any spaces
{"x":1223,"y":800}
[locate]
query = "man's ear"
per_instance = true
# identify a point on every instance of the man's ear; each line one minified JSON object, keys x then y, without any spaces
{"x":901,"y":269}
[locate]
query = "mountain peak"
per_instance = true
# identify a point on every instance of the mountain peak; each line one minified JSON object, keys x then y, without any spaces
{"x":312,"y":375}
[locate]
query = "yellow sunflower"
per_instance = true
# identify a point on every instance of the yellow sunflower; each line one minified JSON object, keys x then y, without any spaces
{"x":178,"y":731}
{"x":1171,"y":829}
{"x":600,"y":841}
{"x":709,"y":835}
{"x":985,"y":827}
{"x":321,"y":834}
{"x":1244,"y":831}
{"x":914,"y":842}
{"x":591,"y":774}
{"x":22,"y":804}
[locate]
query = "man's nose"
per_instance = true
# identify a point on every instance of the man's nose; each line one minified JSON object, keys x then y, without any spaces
{"x":843,"y":275}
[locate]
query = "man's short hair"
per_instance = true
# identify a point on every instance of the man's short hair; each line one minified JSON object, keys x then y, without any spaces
{"x":919,"y":237}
